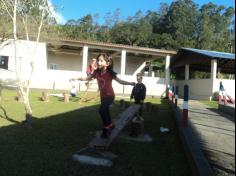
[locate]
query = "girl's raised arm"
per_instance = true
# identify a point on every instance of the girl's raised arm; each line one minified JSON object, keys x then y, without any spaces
{"x":88,"y":78}
{"x":124,"y":82}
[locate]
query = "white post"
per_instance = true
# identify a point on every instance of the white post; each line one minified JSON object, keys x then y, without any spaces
{"x":123,"y":62}
{"x":150,"y":71}
{"x":85,"y":59}
{"x":213,"y":75}
{"x":167,"y":70}
{"x":153,"y":74}
{"x":186,"y":73}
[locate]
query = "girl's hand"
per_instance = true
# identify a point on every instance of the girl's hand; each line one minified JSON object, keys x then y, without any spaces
{"x":133,"y":84}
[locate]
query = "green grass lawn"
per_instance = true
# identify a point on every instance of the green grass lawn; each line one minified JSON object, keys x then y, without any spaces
{"x":60,"y":129}
{"x":212,"y":104}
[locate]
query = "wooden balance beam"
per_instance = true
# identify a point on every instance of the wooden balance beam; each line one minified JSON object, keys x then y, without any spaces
{"x":122,"y":120}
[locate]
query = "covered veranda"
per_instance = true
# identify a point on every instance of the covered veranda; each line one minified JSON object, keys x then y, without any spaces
{"x":128,"y":61}
{"x":212,"y":62}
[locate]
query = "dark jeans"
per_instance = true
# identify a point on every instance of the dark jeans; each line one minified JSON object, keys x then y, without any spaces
{"x":141,"y":107}
{"x":104,"y":110}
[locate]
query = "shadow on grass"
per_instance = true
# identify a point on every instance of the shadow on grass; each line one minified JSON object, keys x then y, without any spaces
{"x":46,"y":149}
{"x":5,"y":116}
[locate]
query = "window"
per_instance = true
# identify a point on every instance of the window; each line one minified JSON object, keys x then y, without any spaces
{"x":4,"y":62}
{"x":53,"y":67}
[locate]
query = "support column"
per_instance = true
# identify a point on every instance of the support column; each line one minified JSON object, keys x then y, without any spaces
{"x":150,"y":71}
{"x":85,"y":60}
{"x":167,"y":74}
{"x":213,"y":76}
{"x":186,"y":73}
{"x":123,"y":62}
{"x":167,"y":70}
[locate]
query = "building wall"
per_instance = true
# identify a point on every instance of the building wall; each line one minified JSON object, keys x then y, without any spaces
{"x":55,"y":79}
{"x":132,"y":64}
{"x":65,"y":61}
{"x":201,"y":88}
{"x":196,"y":88}
{"x":70,"y":66}
{"x":155,"y":86}
{"x":25,"y":55}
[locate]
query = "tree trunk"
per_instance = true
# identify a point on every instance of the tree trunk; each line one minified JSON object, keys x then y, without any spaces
{"x":0,"y":93}
{"x":28,"y":110}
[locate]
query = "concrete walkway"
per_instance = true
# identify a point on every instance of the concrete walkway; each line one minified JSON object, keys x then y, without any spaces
{"x":215,"y":135}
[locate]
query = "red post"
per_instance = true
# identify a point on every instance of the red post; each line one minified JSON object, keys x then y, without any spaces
{"x":185,"y":118}
{"x":176,"y":96}
{"x":185,"y":106}
{"x":173,"y":94}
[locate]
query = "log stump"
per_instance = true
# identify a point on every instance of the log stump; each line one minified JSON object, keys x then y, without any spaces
{"x":148,"y":107}
{"x":66,"y":97}
{"x":122,"y":103}
{"x":19,"y":97}
{"x":127,"y":104}
{"x":45,"y":96}
{"x":137,"y":127}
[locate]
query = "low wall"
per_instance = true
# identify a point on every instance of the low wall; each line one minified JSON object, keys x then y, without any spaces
{"x":198,"y":88}
{"x":58,"y":79}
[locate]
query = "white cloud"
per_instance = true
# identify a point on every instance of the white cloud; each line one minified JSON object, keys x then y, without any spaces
{"x":59,"y":18}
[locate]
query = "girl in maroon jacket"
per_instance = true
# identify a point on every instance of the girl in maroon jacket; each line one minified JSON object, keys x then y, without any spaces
{"x":104,"y":75}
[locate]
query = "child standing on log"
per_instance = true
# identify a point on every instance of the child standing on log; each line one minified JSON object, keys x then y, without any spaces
{"x":139,"y":93}
{"x":104,"y":75}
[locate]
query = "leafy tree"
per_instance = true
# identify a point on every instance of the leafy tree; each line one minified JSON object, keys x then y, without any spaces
{"x":24,"y":14}
{"x":135,"y":31}
{"x":214,"y":27}
{"x":180,"y":22}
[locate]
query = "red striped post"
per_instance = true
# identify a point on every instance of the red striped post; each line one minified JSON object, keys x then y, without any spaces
{"x":170,"y":92}
{"x":185,"y":106}
{"x":167,"y":91}
{"x":176,"y":95}
{"x":173,"y":93}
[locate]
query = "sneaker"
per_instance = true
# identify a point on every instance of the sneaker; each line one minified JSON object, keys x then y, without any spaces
{"x":111,"y":126}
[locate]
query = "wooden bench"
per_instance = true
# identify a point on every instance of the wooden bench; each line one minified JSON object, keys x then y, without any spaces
{"x":122,"y":120}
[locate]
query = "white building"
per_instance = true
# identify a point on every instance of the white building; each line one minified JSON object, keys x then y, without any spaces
{"x":58,"y":61}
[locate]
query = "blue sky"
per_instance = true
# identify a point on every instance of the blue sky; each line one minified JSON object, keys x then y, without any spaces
{"x":74,"y":9}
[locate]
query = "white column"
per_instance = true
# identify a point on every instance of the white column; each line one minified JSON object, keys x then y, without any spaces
{"x":153,"y":74}
{"x":186,"y":73}
{"x":167,"y":70}
{"x":123,"y":62}
{"x":85,"y":59}
{"x":150,"y":71}
{"x":213,"y":75}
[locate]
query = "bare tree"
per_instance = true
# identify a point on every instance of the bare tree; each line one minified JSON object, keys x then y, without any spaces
{"x":25,"y":15}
